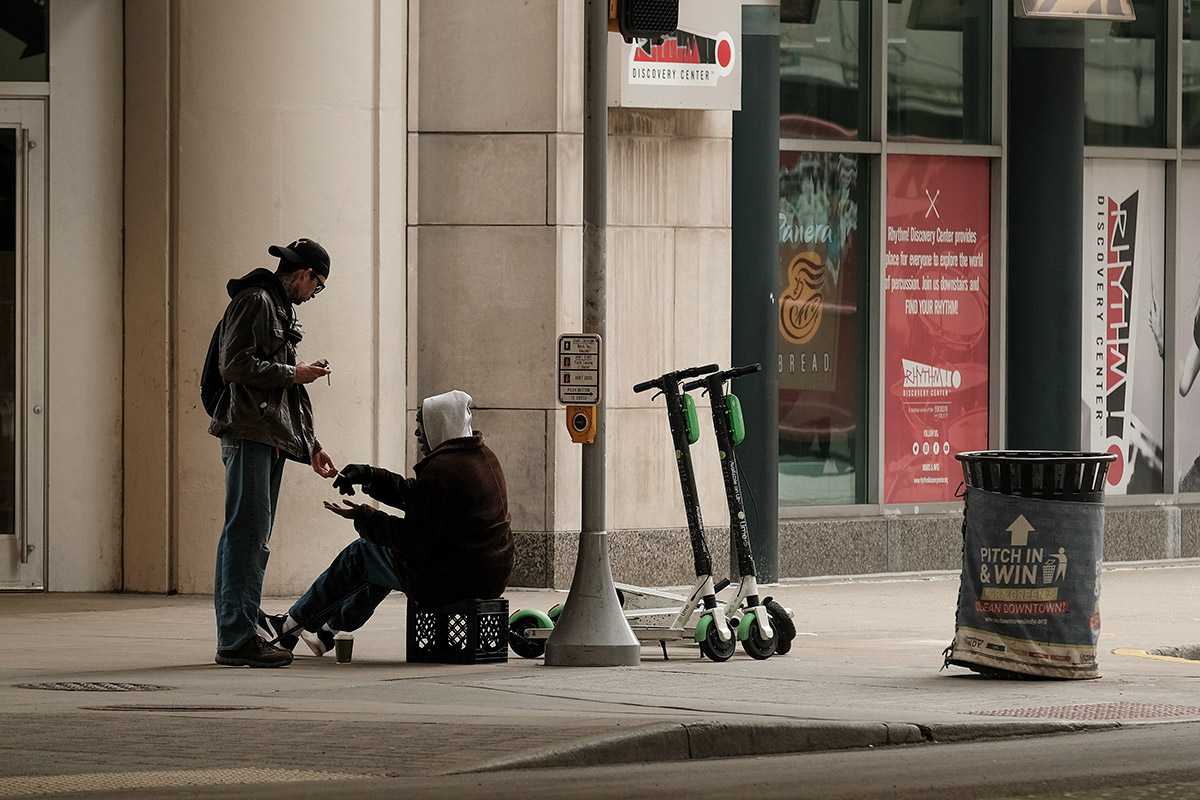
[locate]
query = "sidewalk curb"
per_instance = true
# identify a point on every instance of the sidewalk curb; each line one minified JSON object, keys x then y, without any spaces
{"x":670,"y":741}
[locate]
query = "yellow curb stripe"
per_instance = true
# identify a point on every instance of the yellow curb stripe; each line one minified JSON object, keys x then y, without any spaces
{"x":25,"y":785}
{"x":1144,"y":654}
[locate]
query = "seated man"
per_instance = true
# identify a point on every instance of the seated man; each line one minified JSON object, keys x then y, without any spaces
{"x":452,"y":543}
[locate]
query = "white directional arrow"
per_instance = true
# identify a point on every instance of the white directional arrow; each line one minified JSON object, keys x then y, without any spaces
{"x":1020,"y":530}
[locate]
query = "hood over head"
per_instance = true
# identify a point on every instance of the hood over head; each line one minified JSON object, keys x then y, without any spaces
{"x":445,"y":417}
{"x":258,"y":277}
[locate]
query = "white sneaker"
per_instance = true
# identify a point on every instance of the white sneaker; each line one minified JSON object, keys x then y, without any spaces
{"x":320,"y":642}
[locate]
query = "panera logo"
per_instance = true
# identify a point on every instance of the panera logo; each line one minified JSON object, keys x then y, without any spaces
{"x":802,"y":303}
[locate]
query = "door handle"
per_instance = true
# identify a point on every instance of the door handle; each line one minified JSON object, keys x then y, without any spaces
{"x":22,"y":258}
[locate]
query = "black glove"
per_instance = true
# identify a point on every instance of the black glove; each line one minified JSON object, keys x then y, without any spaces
{"x":350,"y":475}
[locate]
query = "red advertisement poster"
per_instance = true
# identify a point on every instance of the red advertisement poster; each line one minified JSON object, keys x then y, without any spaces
{"x":935,"y":293}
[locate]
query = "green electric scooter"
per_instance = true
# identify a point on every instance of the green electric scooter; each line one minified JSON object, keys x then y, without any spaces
{"x":655,"y":615}
{"x":764,"y":627}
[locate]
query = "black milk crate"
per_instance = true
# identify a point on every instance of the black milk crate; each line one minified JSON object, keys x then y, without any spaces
{"x":468,"y":632}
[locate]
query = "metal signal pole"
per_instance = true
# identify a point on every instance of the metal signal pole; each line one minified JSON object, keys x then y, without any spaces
{"x":592,"y":631}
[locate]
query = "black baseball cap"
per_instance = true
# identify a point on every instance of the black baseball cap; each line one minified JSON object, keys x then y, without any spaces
{"x":306,"y":252}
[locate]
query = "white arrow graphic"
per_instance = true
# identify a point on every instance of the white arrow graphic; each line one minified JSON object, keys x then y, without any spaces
{"x":1020,"y":530}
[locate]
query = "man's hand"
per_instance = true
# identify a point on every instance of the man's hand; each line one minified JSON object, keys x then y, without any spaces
{"x":307,"y":373}
{"x":350,"y":511}
{"x":350,"y":475}
{"x":322,"y":464}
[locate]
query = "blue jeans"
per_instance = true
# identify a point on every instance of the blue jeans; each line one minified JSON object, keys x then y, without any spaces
{"x":252,"y":474}
{"x":360,"y":564}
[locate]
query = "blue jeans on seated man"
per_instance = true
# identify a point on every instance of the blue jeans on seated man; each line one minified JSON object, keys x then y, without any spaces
{"x":359,"y":563}
{"x":253,"y":471}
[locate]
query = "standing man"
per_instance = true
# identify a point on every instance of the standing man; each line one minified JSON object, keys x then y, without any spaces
{"x":263,"y":418}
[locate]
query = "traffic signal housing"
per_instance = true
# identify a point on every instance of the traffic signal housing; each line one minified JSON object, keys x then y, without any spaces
{"x":643,"y":19}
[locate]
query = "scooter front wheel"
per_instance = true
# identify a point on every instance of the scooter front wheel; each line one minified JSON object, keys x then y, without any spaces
{"x":755,"y":644}
{"x":711,"y":645}
{"x":523,"y":621}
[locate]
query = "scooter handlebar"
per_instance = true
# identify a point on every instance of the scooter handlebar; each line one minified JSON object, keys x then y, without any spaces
{"x":674,"y":377}
{"x":692,"y":372}
{"x":749,"y":369}
{"x":721,"y":377}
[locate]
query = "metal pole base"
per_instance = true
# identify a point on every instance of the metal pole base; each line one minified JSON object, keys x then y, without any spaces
{"x":592,"y":631}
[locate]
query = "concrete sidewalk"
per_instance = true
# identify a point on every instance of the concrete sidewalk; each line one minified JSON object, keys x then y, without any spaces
{"x":865,"y":669}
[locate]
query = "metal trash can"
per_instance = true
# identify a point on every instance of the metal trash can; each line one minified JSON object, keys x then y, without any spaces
{"x":1033,"y":543}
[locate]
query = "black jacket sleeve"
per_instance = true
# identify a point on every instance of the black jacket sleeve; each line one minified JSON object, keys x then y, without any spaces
{"x":388,"y":487}
{"x":385,"y":530}
{"x":415,"y":534}
{"x":249,"y":327}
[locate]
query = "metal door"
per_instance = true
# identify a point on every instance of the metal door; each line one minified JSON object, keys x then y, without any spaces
{"x":23,"y":179}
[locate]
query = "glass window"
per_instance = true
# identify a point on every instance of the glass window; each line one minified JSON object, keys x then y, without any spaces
{"x":1124,"y":79}
{"x":1191,"y":75}
{"x":822,"y":67}
{"x":1187,"y":338}
{"x":822,"y":319}
{"x":24,"y":26}
{"x":939,"y":70}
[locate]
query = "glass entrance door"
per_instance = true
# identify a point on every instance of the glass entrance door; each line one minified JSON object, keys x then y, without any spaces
{"x":23,"y":179}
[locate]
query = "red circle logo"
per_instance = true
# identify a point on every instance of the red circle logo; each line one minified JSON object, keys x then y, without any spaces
{"x":724,"y":53}
{"x":1116,"y":470}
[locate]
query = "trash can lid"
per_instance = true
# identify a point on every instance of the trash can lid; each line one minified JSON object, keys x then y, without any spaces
{"x":1041,"y":456}
{"x":1050,"y":474}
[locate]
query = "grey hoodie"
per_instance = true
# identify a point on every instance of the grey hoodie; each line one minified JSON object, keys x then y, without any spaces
{"x":446,"y":416}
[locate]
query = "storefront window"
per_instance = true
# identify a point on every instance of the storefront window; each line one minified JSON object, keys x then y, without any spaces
{"x":1124,"y":219}
{"x":822,"y":313}
{"x":23,"y":40}
{"x":1187,"y":337}
{"x":822,"y":68}
{"x":1191,"y":74}
{"x":939,"y":55}
{"x":1125,"y":79}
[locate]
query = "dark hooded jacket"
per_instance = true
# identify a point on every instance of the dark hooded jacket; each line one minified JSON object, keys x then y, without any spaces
{"x":454,"y":541}
{"x":258,"y":361}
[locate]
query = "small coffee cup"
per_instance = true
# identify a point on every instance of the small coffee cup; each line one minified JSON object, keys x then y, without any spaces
{"x":343,"y":646}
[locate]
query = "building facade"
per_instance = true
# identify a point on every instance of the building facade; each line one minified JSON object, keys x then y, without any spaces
{"x":923,"y":205}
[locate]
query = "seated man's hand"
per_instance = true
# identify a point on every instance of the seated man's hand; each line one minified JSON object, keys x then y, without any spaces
{"x":350,"y":475}
{"x":349,"y":511}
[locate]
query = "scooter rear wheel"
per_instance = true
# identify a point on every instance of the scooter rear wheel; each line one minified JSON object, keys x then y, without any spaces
{"x":784,"y":627}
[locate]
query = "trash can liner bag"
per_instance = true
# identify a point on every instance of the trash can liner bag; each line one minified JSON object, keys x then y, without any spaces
{"x":1029,"y":598}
